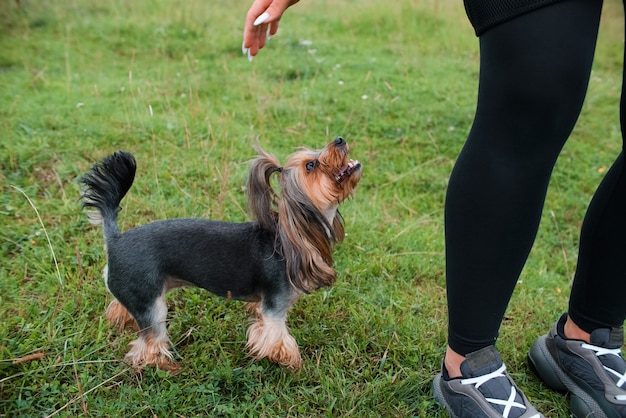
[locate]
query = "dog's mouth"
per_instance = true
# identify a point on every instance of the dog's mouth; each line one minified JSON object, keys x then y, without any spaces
{"x":347,"y":170}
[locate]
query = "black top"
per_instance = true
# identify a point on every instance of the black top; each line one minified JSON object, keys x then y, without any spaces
{"x":485,"y":14}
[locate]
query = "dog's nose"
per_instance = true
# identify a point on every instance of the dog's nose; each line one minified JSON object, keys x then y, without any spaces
{"x":340,"y":141}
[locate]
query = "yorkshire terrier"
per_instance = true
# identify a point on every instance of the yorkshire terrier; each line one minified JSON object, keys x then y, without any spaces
{"x":285,"y":252}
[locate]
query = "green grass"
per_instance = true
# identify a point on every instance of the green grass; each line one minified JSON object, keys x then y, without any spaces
{"x":80,"y":79}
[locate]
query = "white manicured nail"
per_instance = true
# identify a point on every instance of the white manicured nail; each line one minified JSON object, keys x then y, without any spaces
{"x":244,"y":50}
{"x":261,"y":19}
{"x":250,"y":57}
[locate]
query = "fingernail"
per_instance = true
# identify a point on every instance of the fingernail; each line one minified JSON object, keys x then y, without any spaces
{"x":250,"y":57}
{"x":261,"y":19}
{"x":268,"y":36}
{"x":244,"y":50}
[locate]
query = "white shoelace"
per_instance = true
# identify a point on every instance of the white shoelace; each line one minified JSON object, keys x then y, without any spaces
{"x":601,"y":351}
{"x":508,"y":403}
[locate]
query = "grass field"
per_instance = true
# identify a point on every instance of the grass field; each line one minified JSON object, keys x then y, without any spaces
{"x":166,"y":80}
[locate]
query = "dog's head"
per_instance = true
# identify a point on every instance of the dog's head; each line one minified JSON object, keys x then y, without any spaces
{"x":305,"y":211}
{"x":327,"y":177}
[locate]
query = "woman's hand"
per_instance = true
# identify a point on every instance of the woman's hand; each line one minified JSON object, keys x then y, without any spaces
{"x":262,"y":22}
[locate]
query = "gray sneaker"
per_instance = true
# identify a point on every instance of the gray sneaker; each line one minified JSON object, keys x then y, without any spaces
{"x":485,"y":390}
{"x":594,"y":374}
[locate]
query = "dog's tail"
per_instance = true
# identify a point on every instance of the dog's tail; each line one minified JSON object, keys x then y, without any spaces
{"x":105,"y":186}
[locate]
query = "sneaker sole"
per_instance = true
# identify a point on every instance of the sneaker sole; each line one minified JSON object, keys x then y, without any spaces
{"x":436,"y":386}
{"x":582,"y":405}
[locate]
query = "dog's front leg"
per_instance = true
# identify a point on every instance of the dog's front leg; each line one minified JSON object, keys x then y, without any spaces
{"x":268,"y":336}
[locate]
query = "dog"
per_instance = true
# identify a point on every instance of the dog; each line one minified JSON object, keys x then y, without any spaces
{"x":285,"y":251}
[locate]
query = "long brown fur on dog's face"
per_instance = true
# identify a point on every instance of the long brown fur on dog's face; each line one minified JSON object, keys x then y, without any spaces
{"x":305,"y":211}
{"x":327,"y":176}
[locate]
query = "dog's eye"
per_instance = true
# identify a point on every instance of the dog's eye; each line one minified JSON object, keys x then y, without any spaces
{"x":310,"y":166}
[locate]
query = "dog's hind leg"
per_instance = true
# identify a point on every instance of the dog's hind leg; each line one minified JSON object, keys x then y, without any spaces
{"x":119,"y":317}
{"x":268,"y":336}
{"x":116,"y":314}
{"x":152,"y":348}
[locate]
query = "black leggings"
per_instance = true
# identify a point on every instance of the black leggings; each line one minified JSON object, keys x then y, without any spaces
{"x":534,"y":72}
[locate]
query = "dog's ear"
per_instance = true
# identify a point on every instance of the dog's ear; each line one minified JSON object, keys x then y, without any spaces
{"x":307,"y":240}
{"x":262,"y":199}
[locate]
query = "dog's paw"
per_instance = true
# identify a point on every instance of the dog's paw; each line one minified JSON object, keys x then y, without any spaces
{"x":271,"y":339}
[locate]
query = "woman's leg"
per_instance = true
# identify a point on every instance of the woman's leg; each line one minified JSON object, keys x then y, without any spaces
{"x":533,"y":79}
{"x":598,"y":298}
